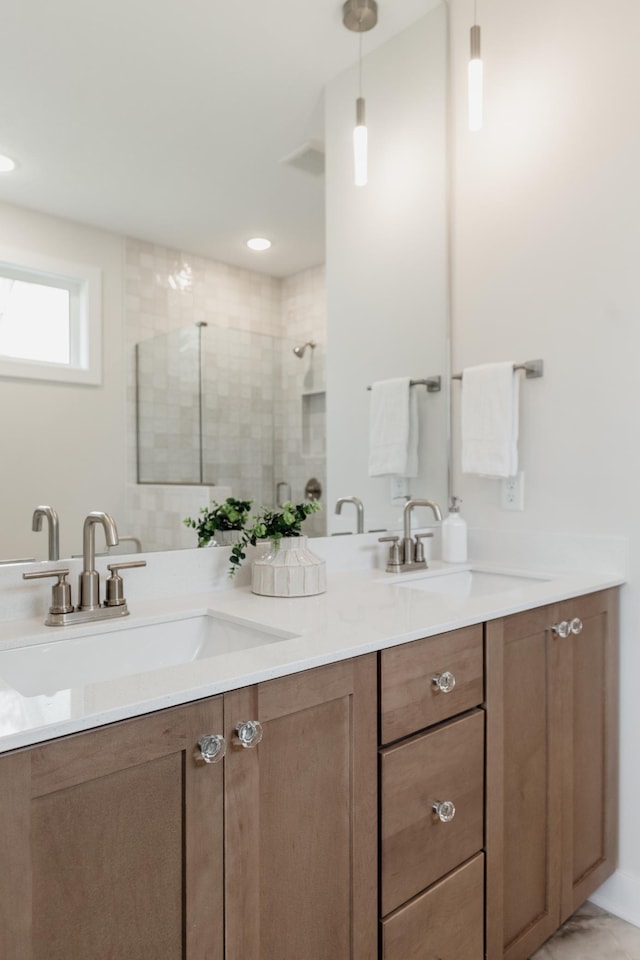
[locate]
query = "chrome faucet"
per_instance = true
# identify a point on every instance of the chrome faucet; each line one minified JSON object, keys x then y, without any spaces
{"x":359,"y":507}
{"x":54,"y":530}
{"x":61,"y":611}
{"x":136,"y":541}
{"x":89,"y":582}
{"x":409,"y":554}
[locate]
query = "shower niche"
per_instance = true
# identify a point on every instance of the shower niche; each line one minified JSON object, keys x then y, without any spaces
{"x":220,"y":406}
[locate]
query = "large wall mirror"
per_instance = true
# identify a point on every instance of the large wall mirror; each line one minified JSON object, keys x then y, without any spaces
{"x":155,"y":148}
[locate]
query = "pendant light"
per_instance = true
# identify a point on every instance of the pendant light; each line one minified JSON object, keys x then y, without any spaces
{"x":475,"y":76}
{"x":360,"y":16}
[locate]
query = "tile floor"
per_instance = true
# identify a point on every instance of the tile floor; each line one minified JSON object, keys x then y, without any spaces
{"x":592,"y":934}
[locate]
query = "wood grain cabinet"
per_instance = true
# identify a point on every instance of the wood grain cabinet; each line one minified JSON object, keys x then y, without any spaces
{"x":551,"y":678}
{"x":112,"y":843}
{"x":446,"y":922}
{"x":443,"y":765}
{"x":430,"y":680}
{"x":432,"y":798}
{"x":122,"y":844}
{"x":301,"y":817}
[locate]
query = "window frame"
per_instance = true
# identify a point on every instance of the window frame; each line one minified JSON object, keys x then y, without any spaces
{"x":84,"y":284}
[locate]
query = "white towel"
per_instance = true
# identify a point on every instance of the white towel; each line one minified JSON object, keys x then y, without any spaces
{"x":393,"y":429}
{"x":490,"y":395}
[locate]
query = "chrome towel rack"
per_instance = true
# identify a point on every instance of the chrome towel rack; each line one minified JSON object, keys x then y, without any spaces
{"x":533,"y":369}
{"x":433,"y":384}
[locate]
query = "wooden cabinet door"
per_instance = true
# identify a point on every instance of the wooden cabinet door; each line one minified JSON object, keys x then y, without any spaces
{"x":301,"y":818}
{"x":524,"y":751}
{"x":551,"y":768}
{"x":112,"y":843}
{"x":590,"y":752}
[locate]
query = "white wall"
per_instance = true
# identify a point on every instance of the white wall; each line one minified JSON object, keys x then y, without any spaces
{"x":63,"y":444}
{"x":386,"y":261}
{"x":546,"y":242}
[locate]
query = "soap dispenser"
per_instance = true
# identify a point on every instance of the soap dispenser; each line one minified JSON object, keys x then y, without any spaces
{"x":454,"y":535}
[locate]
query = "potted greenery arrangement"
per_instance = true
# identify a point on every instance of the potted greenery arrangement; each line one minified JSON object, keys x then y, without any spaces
{"x":289,"y":568}
{"x":220,"y":524}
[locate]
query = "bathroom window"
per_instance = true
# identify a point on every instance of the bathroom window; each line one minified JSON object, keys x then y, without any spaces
{"x":50,"y":325}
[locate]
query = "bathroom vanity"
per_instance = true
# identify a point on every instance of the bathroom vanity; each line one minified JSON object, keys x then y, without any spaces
{"x":347,"y":818}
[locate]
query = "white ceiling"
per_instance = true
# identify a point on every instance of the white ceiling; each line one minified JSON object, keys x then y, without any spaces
{"x":166,"y":121}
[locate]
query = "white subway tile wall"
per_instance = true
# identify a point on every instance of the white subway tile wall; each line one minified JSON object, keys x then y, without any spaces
{"x":263,"y":407}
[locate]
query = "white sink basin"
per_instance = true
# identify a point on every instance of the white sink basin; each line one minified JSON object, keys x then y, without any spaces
{"x":467,"y":584}
{"x":66,"y":664}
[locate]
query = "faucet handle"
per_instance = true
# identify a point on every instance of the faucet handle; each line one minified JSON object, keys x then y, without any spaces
{"x":394,"y":560}
{"x":418,"y":553}
{"x":60,"y":591}
{"x":114,"y":585}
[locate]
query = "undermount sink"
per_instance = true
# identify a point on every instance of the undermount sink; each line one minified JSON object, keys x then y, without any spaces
{"x":468,"y":584}
{"x":69,"y":663}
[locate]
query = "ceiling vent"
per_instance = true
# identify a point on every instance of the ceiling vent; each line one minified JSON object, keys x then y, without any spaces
{"x":309,"y":158}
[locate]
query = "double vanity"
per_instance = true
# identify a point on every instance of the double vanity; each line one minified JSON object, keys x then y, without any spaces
{"x":407,"y":766}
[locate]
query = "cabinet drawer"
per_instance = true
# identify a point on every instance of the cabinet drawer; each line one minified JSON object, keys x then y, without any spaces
{"x":444,"y":764}
{"x":410,"y":700}
{"x":446,"y":921}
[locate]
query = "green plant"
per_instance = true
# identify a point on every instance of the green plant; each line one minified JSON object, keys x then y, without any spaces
{"x":272,"y":525}
{"x":230,"y":515}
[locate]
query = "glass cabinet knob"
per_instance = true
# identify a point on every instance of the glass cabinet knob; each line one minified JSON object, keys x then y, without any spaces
{"x":576,"y":625}
{"x":211,"y":748}
{"x":445,"y":811}
{"x":249,"y":733}
{"x":561,"y":629}
{"x":444,"y":682}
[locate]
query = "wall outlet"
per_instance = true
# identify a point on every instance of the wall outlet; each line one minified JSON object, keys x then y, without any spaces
{"x":513,"y":492}
{"x":399,"y":489}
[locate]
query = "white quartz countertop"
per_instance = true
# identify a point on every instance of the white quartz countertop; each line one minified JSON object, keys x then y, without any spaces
{"x":362,"y":611}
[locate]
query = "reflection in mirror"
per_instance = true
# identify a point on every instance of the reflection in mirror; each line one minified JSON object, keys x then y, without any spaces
{"x":233,"y":410}
{"x":224,"y":404}
{"x":380,"y":305}
{"x":387,"y":286}
{"x":169,"y":408}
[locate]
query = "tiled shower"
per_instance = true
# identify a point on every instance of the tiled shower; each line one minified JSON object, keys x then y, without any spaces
{"x":219,"y":402}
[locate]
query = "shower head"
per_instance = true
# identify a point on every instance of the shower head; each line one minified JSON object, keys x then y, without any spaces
{"x":299,"y":351}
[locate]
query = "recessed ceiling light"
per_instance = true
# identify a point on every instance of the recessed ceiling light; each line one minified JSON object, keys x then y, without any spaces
{"x":258,"y":243}
{"x":6,"y":164}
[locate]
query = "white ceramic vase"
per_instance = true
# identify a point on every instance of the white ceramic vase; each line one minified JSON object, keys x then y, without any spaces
{"x":289,"y":569}
{"x":225,"y":538}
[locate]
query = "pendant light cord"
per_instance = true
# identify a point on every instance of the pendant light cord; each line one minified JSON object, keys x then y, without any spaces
{"x":360,"y":65}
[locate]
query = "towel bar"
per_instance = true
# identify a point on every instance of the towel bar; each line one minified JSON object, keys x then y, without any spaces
{"x":533,"y":369}
{"x":433,"y":384}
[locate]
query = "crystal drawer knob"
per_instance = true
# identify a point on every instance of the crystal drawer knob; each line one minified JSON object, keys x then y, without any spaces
{"x":562,"y":629}
{"x":444,"y":682}
{"x":576,"y":625}
{"x":444,"y":811}
{"x":249,"y":733}
{"x":211,"y":749}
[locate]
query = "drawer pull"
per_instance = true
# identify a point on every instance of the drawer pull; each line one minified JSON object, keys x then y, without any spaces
{"x":249,"y":733}
{"x":444,"y":682}
{"x":562,"y":629}
{"x":211,"y":749}
{"x":444,"y":811}
{"x":576,"y":625}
